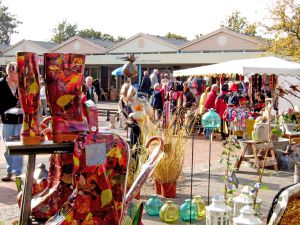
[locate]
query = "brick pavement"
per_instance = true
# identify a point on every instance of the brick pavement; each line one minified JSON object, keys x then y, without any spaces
{"x":201,"y":145}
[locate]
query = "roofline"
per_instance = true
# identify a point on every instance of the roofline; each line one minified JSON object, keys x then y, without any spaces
{"x":222,"y":29}
{"x":102,"y":48}
{"x":23,"y":41}
{"x":12,"y":46}
{"x":151,"y":37}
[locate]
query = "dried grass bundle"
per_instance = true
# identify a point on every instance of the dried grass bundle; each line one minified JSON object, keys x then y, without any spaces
{"x":170,"y":166}
{"x":292,"y":213}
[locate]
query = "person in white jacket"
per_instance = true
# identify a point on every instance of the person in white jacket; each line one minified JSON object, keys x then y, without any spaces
{"x":154,"y":79}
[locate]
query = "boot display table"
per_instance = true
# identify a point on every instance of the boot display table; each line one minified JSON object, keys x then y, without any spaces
{"x":46,"y":147}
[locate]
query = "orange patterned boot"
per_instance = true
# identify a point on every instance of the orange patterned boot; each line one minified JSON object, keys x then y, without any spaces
{"x":29,"y":91}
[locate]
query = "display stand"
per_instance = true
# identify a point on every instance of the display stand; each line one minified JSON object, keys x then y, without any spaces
{"x":47,"y":147}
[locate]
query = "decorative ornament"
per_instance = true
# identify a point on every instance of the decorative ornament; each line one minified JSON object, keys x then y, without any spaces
{"x":218,"y":212}
{"x":247,"y":217}
{"x":153,"y":206}
{"x":188,"y":211}
{"x":211,"y":120}
{"x":242,"y":200}
{"x":129,"y":69}
{"x":169,"y":212}
{"x":200,"y":207}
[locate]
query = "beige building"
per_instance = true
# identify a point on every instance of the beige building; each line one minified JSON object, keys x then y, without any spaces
{"x":102,"y":57}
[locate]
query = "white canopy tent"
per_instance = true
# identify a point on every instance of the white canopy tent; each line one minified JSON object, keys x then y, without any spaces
{"x":287,"y":72}
{"x":247,"y":67}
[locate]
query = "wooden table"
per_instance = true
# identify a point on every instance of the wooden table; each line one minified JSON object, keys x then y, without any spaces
{"x":47,"y":147}
{"x":272,"y":161}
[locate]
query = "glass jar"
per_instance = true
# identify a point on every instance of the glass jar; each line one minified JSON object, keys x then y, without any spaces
{"x":188,"y":211}
{"x":211,"y":119}
{"x":200,"y":207}
{"x":169,"y":212}
{"x":153,"y":206}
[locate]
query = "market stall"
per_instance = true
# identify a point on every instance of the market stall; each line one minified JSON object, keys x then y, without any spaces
{"x":287,"y":73}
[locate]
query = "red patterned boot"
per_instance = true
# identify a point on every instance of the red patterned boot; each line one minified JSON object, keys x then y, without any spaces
{"x":100,"y":168}
{"x":64,"y":77}
{"x":29,"y":91}
{"x":47,"y":203}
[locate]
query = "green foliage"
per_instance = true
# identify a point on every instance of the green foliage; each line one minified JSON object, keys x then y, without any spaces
{"x":285,"y":16}
{"x":8,"y":24}
{"x":64,"y":31}
{"x":90,"y":33}
{"x":229,"y":155}
{"x":175,"y":36}
{"x":120,"y":38}
{"x":238,"y":23}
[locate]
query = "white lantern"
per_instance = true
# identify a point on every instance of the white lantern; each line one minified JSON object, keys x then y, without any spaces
{"x":218,"y":213}
{"x":242,"y":200}
{"x":247,"y":217}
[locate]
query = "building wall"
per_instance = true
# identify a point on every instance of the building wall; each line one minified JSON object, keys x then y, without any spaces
{"x":79,"y":47}
{"x":141,"y":44}
{"x":25,"y":47}
{"x":222,"y":42}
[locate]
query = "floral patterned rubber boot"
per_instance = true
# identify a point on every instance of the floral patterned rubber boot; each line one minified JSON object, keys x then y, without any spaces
{"x":47,"y":203}
{"x":64,"y":77}
{"x":29,"y":95}
{"x":100,"y":168}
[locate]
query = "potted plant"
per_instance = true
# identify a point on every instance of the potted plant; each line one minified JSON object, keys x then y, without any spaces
{"x":276,"y":133}
{"x":169,"y":168}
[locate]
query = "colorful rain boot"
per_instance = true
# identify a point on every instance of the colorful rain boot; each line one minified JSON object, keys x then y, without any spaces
{"x":100,"y":168}
{"x":64,"y":77}
{"x":29,"y":91}
{"x":47,"y":203}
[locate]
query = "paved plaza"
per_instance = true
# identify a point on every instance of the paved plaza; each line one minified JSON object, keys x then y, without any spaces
{"x":247,"y":176}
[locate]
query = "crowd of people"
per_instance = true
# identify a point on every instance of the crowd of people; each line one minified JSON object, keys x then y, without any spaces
{"x":165,"y":94}
{"x":230,"y":99}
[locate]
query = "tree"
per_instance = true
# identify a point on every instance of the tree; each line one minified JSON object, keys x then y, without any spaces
{"x":286,"y":29}
{"x":174,"y":36}
{"x":64,"y":31}
{"x":8,"y":24}
{"x":120,"y":38}
{"x":240,"y":24}
{"x":107,"y":37}
{"x":90,"y":33}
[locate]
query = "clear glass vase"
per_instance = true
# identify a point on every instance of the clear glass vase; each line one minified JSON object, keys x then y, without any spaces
{"x":153,"y":206}
{"x":169,"y":212}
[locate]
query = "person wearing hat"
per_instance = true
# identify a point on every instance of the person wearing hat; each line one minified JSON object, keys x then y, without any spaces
{"x":221,"y":106}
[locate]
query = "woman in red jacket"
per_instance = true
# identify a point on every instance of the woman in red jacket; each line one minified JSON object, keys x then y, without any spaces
{"x":221,"y":106}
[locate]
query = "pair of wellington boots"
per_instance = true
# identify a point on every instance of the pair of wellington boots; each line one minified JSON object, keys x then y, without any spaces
{"x":63,"y":77}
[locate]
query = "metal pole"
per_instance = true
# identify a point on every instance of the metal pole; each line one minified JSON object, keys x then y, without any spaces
{"x":209,"y":158}
{"x":192,"y":174}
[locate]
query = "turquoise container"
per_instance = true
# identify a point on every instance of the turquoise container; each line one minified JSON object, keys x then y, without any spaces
{"x":211,"y":120}
{"x":153,"y":206}
{"x":188,"y":211}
